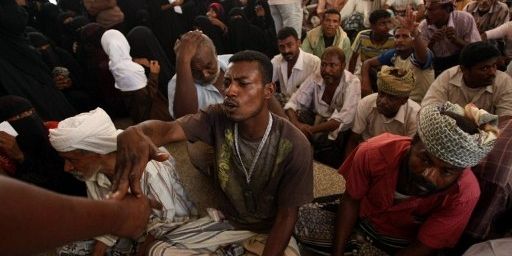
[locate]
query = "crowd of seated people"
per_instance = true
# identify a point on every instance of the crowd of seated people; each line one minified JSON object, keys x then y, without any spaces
{"x":410,"y":100}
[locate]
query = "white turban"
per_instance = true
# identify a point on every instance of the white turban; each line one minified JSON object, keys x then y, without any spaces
{"x":92,"y":131}
{"x":129,"y":76}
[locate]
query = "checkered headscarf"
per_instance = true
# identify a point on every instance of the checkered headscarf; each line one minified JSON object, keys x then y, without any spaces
{"x":444,"y":139}
{"x":395,"y":81}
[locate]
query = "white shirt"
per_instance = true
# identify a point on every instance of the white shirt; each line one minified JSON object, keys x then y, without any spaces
{"x":343,"y":105}
{"x":160,"y":182}
{"x":306,"y":65}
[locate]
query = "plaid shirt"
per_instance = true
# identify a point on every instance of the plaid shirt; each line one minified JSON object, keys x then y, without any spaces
{"x":495,"y":177}
{"x":497,"y":15}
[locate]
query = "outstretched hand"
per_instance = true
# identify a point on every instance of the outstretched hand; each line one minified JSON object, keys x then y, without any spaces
{"x":134,"y":151}
{"x":409,"y":20}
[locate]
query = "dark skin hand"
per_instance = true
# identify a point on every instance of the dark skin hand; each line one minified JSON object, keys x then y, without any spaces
{"x":185,"y":50}
{"x":346,"y":219}
{"x":9,"y":146}
{"x":281,"y":231}
{"x":25,"y":229}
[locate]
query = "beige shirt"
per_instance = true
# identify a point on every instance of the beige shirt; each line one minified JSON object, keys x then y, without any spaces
{"x":370,"y":123}
{"x":449,"y":86}
{"x":306,"y":65}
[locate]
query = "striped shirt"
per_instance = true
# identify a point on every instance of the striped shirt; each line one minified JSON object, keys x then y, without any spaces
{"x":367,"y":49}
{"x":160,"y":182}
{"x":497,"y":15}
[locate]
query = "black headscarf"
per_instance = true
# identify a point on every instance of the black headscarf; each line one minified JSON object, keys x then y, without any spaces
{"x":143,"y":44}
{"x":48,"y":21}
{"x":242,"y":34}
{"x":71,"y":5}
{"x":213,"y":32}
{"x":22,"y":71}
{"x":97,"y":75}
{"x":41,"y":166}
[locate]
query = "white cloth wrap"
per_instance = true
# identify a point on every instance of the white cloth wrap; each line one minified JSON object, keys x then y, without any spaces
{"x":129,"y":76}
{"x":92,"y":131}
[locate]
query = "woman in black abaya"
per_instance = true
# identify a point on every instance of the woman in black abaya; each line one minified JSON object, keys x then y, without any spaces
{"x":144,"y":45}
{"x":22,"y":71}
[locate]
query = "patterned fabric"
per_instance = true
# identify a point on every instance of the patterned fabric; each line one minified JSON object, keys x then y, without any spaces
{"x":445,"y":140}
{"x":395,"y":81}
{"x":497,"y":15}
{"x":315,"y":230}
{"x":354,"y":22}
{"x":366,"y":48}
{"x":423,"y":72}
{"x":206,"y":236}
{"x":160,"y":182}
{"x":494,"y":175}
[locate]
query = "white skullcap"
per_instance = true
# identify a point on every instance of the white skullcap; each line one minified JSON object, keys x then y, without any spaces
{"x":92,"y":131}
{"x":129,"y":76}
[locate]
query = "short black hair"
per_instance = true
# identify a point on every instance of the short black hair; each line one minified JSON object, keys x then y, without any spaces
{"x":336,"y":51}
{"x":477,"y":52}
{"x":332,"y":11}
{"x":376,"y":15}
{"x":265,"y":66}
{"x":287,"y":32}
{"x":448,"y":7}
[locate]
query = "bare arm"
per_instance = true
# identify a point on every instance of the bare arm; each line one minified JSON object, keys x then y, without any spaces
{"x":328,"y":126}
{"x":293,"y":117}
{"x":345,"y":221}
{"x":281,"y":231}
{"x":99,"y":249}
{"x":353,"y":61}
{"x":353,"y":141}
{"x":366,"y":87}
{"x":185,"y":97}
{"x":27,"y":229}
{"x":136,"y":146}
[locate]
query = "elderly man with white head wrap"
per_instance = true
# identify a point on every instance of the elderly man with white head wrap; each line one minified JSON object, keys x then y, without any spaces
{"x":411,"y":196}
{"x":88,"y":144}
{"x":389,"y":110}
{"x":141,"y":95}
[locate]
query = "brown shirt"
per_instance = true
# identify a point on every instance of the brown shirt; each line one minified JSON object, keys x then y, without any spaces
{"x":449,"y":86}
{"x":283,"y":176}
